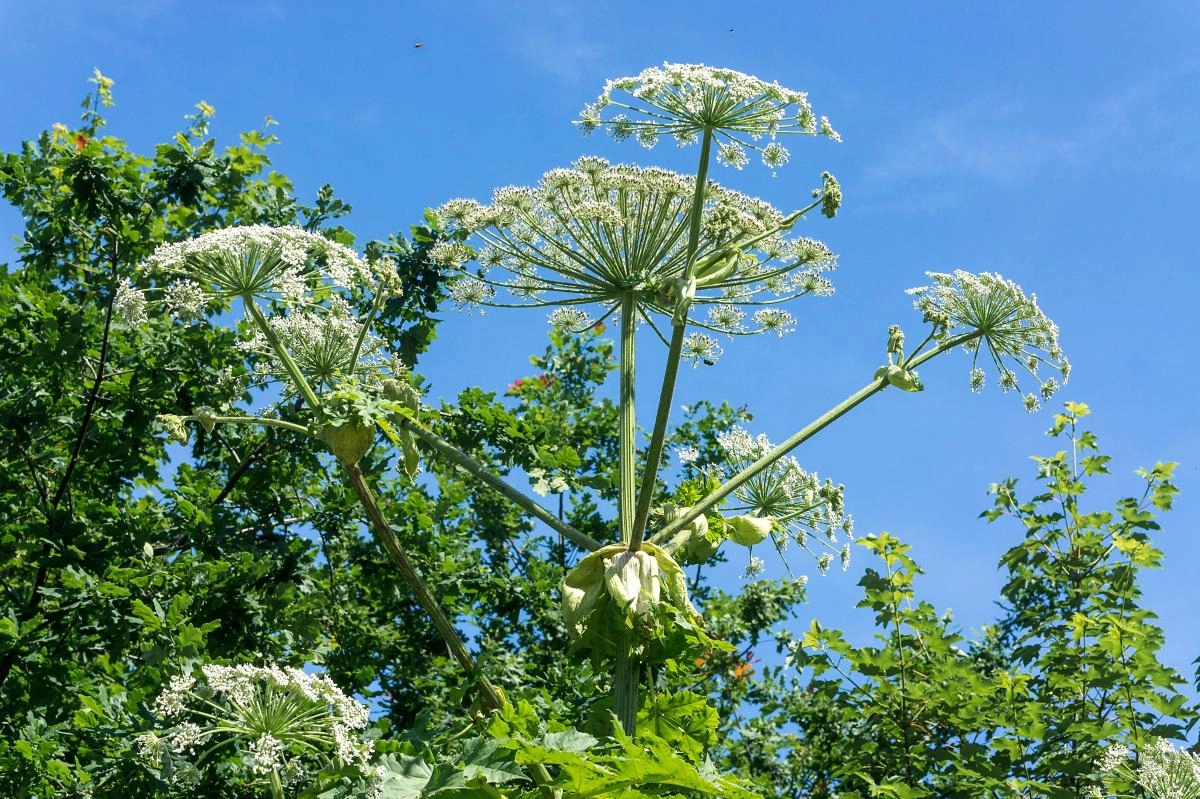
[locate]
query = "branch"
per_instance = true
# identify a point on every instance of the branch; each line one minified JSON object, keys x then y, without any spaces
{"x":460,"y":458}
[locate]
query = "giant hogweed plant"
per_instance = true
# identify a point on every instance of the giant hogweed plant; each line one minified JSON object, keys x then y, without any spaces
{"x":655,"y":252}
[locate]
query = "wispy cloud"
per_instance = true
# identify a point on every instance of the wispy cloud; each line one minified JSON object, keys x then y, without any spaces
{"x":1004,"y":138}
{"x":555,"y":39}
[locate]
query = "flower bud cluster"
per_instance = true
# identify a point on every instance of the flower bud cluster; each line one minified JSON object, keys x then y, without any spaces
{"x":268,"y":262}
{"x":308,"y":296}
{"x":328,"y":344}
{"x":615,"y":593}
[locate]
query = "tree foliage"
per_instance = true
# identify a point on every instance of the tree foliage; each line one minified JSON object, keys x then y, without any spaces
{"x":125,"y":561}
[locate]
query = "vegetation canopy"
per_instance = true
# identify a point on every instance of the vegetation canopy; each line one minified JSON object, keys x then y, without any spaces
{"x":243,"y":553}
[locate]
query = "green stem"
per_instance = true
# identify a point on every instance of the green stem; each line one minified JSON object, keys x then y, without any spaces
{"x":626,"y":677}
{"x":460,"y":458}
{"x":376,"y":302}
{"x":491,"y":696}
{"x":670,"y":374}
{"x":285,"y":357}
{"x":627,"y":673}
{"x":814,"y":427}
{"x":276,"y":785}
{"x":628,"y":420}
{"x":295,"y":428}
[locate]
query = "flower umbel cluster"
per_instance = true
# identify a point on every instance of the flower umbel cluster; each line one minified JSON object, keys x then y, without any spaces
{"x":328,"y":344}
{"x":595,"y":233}
{"x":268,"y":263}
{"x":308,"y":288}
{"x":278,"y":723}
{"x":1163,"y":771}
{"x":684,"y":100}
{"x":1013,"y":332}
{"x":785,"y":502}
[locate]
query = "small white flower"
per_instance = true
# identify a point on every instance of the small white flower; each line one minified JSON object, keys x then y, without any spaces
{"x":754,"y":568}
{"x":185,"y":300}
{"x":700,"y":348}
{"x":151,"y":747}
{"x":170,"y":701}
{"x":1114,"y":756}
{"x":775,"y":320}
{"x":775,"y":155}
{"x":185,"y":737}
{"x":682,"y":100}
{"x":129,"y":304}
{"x":569,"y":320}
{"x":687,"y":455}
{"x":471,"y":293}
{"x":266,"y":754}
{"x":732,"y":154}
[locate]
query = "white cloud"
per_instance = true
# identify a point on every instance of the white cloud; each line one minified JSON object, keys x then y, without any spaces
{"x":1004,"y":138}
{"x":555,"y":39}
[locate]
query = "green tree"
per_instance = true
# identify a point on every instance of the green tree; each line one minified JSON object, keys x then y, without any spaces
{"x":1027,"y":711}
{"x":115,"y":571}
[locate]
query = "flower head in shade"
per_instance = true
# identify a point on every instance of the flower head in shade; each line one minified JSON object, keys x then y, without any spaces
{"x":782,"y":502}
{"x":265,"y":719}
{"x":329,"y":344}
{"x":592,"y":234}
{"x":743,"y":112}
{"x":1015,"y":336}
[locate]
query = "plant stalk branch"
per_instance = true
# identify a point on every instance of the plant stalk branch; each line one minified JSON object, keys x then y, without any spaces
{"x":460,"y":458}
{"x":491,"y":696}
{"x":814,"y":427}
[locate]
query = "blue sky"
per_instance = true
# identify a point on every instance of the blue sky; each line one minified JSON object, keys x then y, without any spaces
{"x":1054,"y":143}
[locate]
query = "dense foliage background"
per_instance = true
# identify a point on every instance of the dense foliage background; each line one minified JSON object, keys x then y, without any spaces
{"x":123,"y":560}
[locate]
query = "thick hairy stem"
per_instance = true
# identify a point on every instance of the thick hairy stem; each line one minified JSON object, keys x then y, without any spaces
{"x":460,"y":458}
{"x":814,"y":427}
{"x":627,"y":675}
{"x":628,"y":421}
{"x":627,"y":672}
{"x":678,"y":327}
{"x":492,"y":699}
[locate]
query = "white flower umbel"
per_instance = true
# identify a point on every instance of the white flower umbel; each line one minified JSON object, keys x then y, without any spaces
{"x":296,"y":287}
{"x":592,"y":234}
{"x":328,"y":345}
{"x":272,"y":721}
{"x":1162,"y":771}
{"x":799,"y":506}
{"x":685,"y":100}
{"x":1012,"y":330}
{"x":267,"y":263}
{"x":129,"y":305}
